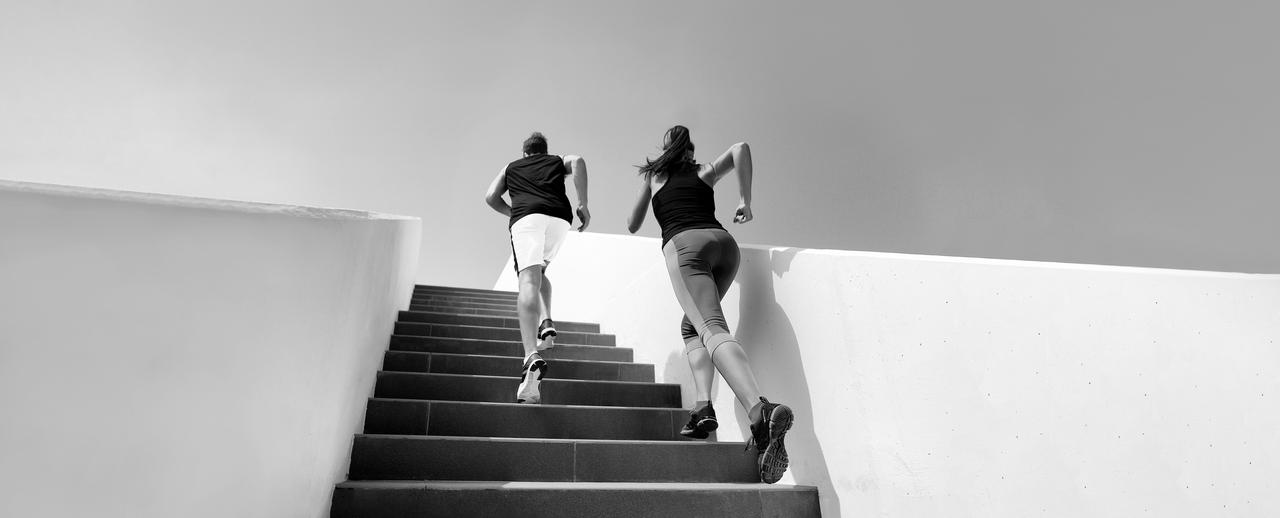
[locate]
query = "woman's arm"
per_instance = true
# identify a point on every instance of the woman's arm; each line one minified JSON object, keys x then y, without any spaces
{"x":641,"y":206}
{"x":736,"y":158}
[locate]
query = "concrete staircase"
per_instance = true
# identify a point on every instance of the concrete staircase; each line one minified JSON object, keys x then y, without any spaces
{"x":443,"y":437}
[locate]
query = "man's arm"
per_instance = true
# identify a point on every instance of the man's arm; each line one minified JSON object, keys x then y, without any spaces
{"x":641,"y":206}
{"x":578,"y":170}
{"x":493,"y":196}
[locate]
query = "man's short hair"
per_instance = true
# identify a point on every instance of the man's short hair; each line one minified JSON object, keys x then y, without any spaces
{"x":535,"y":144}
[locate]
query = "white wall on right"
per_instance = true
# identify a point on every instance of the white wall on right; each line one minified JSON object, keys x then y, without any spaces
{"x":939,"y":386}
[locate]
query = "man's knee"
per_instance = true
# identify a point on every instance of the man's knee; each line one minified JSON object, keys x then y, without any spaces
{"x":531,"y":278}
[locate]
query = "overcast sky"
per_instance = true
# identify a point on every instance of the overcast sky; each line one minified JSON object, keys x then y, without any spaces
{"x":1135,"y":133}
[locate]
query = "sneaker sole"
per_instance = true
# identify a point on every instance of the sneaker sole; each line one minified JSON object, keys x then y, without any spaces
{"x":702,"y":430}
{"x":774,"y":460}
{"x":529,"y":392}
{"x":543,"y":334}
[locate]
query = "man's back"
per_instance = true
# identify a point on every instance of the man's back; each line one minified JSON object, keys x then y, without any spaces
{"x":536,"y":184}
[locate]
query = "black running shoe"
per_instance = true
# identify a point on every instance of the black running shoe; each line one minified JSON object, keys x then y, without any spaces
{"x":531,"y":380}
{"x":767,"y":433}
{"x":701,"y":423}
{"x":546,"y":334}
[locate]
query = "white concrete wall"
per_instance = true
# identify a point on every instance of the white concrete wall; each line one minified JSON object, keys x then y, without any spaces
{"x":164,"y":356}
{"x":937,"y":386}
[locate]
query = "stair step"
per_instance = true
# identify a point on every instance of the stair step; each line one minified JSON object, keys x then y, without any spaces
{"x":410,"y":457}
{"x":509,"y":300}
{"x":501,"y":389}
{"x":479,"y":419}
{"x":462,"y":299}
{"x":494,"y":305}
{"x":465,"y":291}
{"x":433,"y":308}
{"x":487,"y":321}
{"x":438,"y":344}
{"x":444,"y":363}
{"x":497,"y":333}
{"x":391,"y":499}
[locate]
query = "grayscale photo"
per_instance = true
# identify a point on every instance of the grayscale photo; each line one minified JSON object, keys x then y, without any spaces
{"x":570,"y":259}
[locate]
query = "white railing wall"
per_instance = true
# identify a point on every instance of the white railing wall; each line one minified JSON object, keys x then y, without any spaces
{"x":164,"y":356}
{"x":937,"y":386}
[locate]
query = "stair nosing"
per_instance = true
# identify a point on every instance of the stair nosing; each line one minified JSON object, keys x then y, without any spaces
{"x":525,"y":405}
{"x":486,"y":438}
{"x":517,"y":357}
{"x":579,"y":486}
{"x":491,"y":316}
{"x":505,"y":341}
{"x":558,"y":380}
{"x":491,"y":327}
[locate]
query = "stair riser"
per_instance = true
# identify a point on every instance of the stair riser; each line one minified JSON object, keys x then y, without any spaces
{"x":501,"y":306}
{"x":533,"y":503}
{"x":463,"y":291}
{"x":531,"y":421}
{"x":433,"y":458}
{"x":435,"y":344}
{"x":451,"y":299}
{"x":446,"y":387}
{"x":463,"y":311}
{"x":485,"y":321}
{"x":503,"y":366}
{"x":496,"y":333}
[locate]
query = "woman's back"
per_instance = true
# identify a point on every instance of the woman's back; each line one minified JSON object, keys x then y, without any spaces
{"x":684,"y":202}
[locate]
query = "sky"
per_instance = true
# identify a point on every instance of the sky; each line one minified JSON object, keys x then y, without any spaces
{"x":1131,"y":133}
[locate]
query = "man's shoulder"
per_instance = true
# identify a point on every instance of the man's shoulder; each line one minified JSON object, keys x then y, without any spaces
{"x":533,"y":159}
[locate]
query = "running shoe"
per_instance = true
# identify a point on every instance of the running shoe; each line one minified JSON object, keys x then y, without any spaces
{"x":702,"y":421}
{"x":531,"y":380}
{"x":767,"y":433}
{"x":546,"y":334}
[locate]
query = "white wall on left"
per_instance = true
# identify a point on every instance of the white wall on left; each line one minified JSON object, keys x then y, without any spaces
{"x":166,"y":356}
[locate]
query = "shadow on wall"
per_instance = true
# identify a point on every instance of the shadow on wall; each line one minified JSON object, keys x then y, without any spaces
{"x":766,"y":334}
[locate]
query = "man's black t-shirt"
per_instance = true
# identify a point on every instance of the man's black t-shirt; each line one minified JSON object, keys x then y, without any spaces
{"x":536,"y":183}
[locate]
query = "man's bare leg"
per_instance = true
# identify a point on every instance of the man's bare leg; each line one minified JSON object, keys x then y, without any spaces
{"x":546,"y":337}
{"x":528,"y":303}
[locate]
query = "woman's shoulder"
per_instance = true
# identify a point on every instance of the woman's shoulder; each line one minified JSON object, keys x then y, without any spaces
{"x":656,"y":181}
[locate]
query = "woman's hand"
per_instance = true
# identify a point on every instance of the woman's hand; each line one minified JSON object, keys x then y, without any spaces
{"x":743,"y":214}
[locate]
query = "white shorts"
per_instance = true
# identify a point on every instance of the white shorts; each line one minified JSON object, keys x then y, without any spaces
{"x":536,"y":238}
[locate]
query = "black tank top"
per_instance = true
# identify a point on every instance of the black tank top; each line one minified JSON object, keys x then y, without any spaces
{"x":536,"y":183}
{"x":684,"y":202}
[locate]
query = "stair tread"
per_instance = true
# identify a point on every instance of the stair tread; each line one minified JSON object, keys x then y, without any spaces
{"x":524,"y":405}
{"x":691,"y":444}
{"x":471,"y":326}
{"x":509,"y":357}
{"x":584,"y":486}
{"x":459,"y":288}
{"x":516,"y":342}
{"x":558,"y":380}
{"x":445,"y":313}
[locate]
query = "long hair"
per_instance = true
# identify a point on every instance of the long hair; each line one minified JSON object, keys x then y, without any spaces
{"x":674,"y":159}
